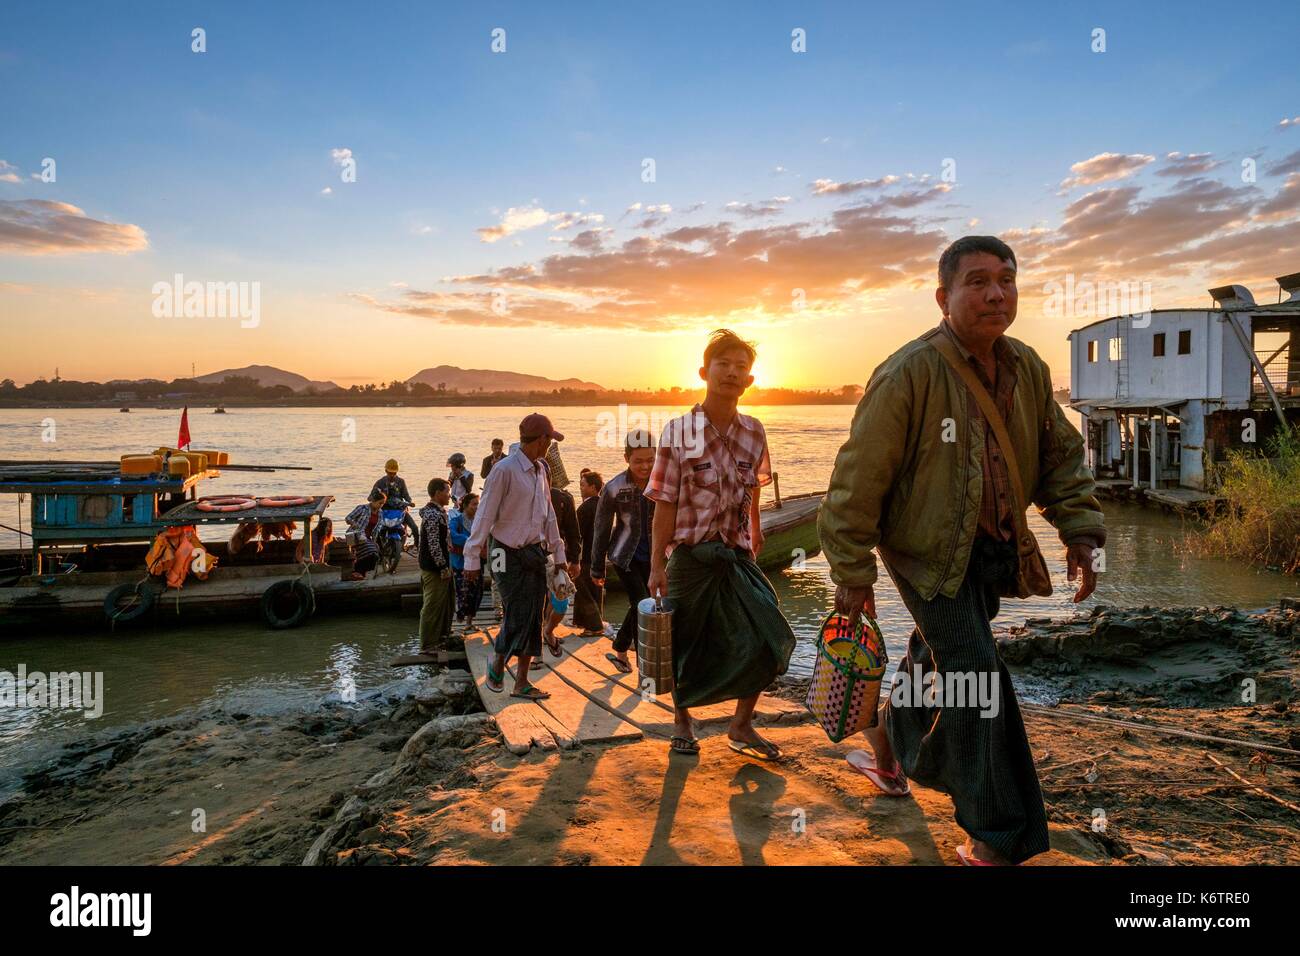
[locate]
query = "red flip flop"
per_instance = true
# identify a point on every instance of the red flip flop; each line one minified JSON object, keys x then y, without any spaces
{"x":886,"y":783}
{"x":967,"y":860}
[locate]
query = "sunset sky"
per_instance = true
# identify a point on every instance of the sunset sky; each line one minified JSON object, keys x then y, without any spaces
{"x":841,"y":171}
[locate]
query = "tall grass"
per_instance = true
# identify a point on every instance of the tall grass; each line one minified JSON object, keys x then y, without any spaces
{"x":1261,"y":523}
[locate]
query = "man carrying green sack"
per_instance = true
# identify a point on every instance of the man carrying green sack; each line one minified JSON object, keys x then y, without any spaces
{"x":730,"y":640}
{"x":956,"y":435}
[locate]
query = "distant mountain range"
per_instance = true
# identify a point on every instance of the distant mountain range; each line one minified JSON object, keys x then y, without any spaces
{"x":449,"y":377}
{"x":267,"y":377}
{"x":493,"y":380}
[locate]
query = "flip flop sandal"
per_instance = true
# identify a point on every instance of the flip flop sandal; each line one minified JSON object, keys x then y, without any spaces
{"x":967,"y":860}
{"x":620,"y":665}
{"x":886,"y":783}
{"x":495,"y":682}
{"x":530,"y":693}
{"x":554,"y":648}
{"x":684,"y":745}
{"x":767,"y":752}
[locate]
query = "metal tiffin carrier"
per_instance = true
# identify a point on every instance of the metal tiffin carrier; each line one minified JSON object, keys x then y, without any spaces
{"x":654,"y":644}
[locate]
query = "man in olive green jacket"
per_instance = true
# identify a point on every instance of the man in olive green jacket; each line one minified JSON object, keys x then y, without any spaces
{"x":923,"y":479}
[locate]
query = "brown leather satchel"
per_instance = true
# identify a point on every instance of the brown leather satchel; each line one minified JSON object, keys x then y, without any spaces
{"x":1032,"y":577}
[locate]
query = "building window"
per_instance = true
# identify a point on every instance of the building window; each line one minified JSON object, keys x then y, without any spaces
{"x":1158,"y":345}
{"x":1092,"y":350}
{"x":1116,"y":348}
{"x":1185,"y":342}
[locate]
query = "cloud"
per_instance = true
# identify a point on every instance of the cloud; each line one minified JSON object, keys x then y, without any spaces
{"x":1187,"y":164}
{"x":590,"y":240}
{"x":1181,"y":233}
{"x":340,"y":156}
{"x":1285,"y":204}
{"x":570,"y":220}
{"x":327,"y":191}
{"x":519,"y":219}
{"x":8,"y":173}
{"x":41,"y":227}
{"x":768,"y":207}
{"x":1287,"y":164}
{"x":654,"y":215}
{"x":1289,"y":121}
{"x":515,"y":220}
{"x":715,"y":271}
{"x":1200,"y":228}
{"x":1105,"y":167}
{"x":829,"y":187}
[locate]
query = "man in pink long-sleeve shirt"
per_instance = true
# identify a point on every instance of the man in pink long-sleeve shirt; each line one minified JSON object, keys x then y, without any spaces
{"x":517,"y":513}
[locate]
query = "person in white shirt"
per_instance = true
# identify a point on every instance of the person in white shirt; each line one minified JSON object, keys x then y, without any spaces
{"x":517,"y":513}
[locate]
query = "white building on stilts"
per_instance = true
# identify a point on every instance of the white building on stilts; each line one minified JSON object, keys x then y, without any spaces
{"x":1166,"y":394}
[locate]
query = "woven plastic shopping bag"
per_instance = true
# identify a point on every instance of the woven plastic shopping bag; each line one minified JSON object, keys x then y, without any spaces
{"x":845,"y":690}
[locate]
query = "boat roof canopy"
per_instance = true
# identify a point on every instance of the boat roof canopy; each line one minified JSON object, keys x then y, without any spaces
{"x":53,"y":477}
{"x":189,"y":513}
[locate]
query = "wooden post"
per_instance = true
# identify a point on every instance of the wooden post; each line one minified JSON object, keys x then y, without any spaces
{"x":776,"y":488}
{"x":36,"y":545}
{"x":306,"y":538}
{"x":1133,"y":427}
{"x":1153,"y":453}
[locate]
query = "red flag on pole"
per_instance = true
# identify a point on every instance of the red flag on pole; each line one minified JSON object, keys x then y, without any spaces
{"x":183,"y":439}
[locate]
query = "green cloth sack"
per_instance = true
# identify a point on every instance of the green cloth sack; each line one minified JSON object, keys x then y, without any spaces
{"x":730,"y":639}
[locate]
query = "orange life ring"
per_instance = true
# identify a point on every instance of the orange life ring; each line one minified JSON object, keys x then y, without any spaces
{"x":228,"y":503}
{"x":281,"y":502}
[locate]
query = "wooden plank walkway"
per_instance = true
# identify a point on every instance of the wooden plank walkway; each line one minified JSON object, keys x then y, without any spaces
{"x":591,"y":702}
{"x":522,"y":723}
{"x":1184,"y":499}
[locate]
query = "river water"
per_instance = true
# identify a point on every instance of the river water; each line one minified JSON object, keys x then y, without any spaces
{"x":242,"y":666}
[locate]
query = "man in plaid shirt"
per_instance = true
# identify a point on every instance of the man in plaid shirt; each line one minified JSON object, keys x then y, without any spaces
{"x":730,"y":640}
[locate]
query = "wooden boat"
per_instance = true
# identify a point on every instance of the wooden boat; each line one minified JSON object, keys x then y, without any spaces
{"x":789,"y":534}
{"x":92,"y":526}
{"x":127,"y":410}
{"x":790,"y":531}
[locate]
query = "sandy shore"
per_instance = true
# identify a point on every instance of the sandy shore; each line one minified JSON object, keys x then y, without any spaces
{"x":425,"y":779}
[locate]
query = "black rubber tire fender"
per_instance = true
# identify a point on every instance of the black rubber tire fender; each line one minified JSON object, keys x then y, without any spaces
{"x":282,"y":592}
{"x":118,"y":615}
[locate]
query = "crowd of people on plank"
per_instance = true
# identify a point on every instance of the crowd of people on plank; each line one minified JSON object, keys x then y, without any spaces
{"x":956,"y":434}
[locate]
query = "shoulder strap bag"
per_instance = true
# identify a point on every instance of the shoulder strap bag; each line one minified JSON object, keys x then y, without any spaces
{"x":1032,"y":577}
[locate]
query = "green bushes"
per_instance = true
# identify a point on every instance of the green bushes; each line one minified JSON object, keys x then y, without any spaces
{"x":1261,"y":523}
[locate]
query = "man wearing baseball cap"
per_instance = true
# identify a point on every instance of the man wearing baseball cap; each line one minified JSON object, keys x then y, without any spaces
{"x":517,"y":513}
{"x":393,"y":486}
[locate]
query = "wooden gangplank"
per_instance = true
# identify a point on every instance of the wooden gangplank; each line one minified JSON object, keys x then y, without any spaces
{"x":590,"y":702}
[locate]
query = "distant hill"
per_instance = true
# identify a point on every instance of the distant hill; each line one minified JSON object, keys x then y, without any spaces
{"x":492,"y":380}
{"x":267,"y":376}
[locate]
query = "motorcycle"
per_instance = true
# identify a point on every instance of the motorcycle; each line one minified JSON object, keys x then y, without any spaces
{"x":390,"y":537}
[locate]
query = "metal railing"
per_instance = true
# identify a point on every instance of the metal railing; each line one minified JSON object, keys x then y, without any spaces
{"x":1276,"y":366}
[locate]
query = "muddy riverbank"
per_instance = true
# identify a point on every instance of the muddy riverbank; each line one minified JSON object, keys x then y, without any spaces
{"x":1137,"y":759}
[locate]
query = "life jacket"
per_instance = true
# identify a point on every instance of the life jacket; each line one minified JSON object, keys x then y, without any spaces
{"x":176,"y":553}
